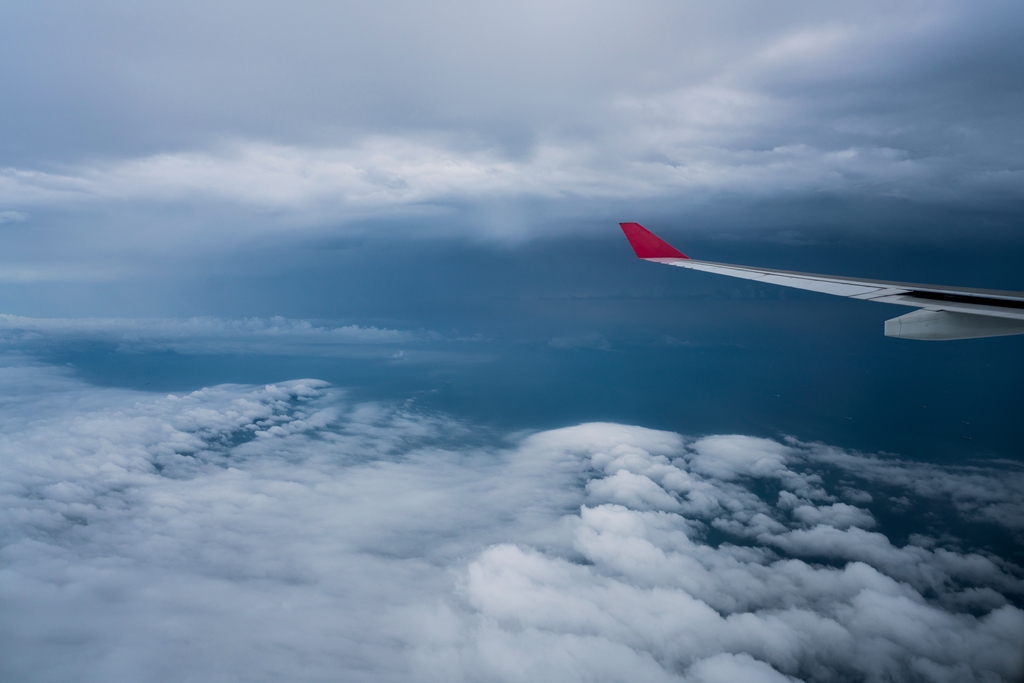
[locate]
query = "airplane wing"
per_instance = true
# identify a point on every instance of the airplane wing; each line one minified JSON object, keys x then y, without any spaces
{"x":945,"y":312}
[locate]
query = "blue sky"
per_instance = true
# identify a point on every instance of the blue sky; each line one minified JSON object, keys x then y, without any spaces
{"x":324,"y":357}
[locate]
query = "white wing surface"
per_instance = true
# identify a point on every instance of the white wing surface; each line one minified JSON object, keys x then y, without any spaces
{"x":945,"y":312}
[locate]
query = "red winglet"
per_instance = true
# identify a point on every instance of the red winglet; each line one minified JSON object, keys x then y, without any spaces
{"x":648,"y":245}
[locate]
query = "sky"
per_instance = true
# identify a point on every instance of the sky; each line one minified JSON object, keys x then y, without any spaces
{"x":323,"y":358}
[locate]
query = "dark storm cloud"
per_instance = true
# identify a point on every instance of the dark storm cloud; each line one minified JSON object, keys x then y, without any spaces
{"x":318,"y":115}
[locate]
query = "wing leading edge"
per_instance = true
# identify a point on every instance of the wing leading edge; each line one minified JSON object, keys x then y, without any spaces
{"x":945,"y":312}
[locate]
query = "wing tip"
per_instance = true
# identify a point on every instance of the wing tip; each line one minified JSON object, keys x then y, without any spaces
{"x":648,"y":245}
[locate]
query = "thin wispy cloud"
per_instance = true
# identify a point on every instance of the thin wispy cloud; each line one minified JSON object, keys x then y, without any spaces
{"x":204,"y":335}
{"x":13,"y":217}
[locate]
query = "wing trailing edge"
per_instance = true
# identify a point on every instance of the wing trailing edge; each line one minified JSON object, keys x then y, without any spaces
{"x":946,"y":312}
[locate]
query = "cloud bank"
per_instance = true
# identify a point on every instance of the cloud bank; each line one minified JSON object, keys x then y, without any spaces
{"x":331,"y":115}
{"x":281,"y":532}
{"x":386,"y":174}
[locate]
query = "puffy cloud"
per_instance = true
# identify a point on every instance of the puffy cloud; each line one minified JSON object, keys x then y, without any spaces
{"x":971,"y":489}
{"x":729,"y":457}
{"x":838,"y":515}
{"x":283,"y":532}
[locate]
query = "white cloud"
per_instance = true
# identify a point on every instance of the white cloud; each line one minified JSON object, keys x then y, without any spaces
{"x":283,"y":533}
{"x":729,"y":457}
{"x":971,"y":489}
{"x":838,"y":515}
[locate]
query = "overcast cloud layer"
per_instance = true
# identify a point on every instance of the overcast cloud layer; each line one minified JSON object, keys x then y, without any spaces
{"x":255,"y":533}
{"x":463,"y":119}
